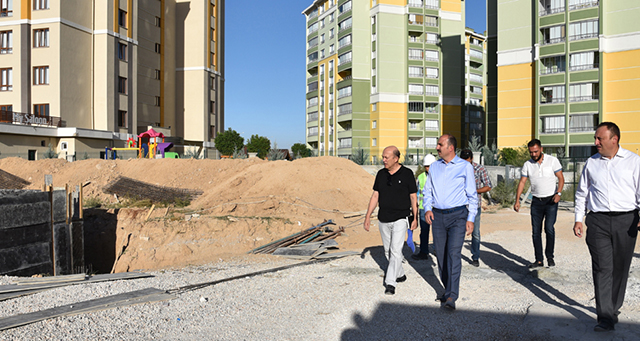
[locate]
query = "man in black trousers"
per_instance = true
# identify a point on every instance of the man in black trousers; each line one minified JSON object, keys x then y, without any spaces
{"x":610,"y":189}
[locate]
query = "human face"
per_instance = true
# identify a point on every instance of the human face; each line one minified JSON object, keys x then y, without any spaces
{"x":535,"y":152}
{"x":389,"y":159}
{"x":444,"y":148}
{"x":426,"y":169}
{"x":606,"y":144}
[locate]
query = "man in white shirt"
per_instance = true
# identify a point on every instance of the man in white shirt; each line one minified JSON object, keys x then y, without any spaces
{"x":542,"y":170}
{"x":610,"y":189}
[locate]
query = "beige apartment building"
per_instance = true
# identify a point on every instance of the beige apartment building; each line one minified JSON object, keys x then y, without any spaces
{"x":83,"y":75}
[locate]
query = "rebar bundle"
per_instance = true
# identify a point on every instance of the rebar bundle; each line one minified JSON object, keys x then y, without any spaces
{"x":317,"y":233}
{"x":130,"y":188}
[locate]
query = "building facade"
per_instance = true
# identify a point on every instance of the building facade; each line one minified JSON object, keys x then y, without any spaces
{"x":475,"y":91}
{"x":563,"y":66}
{"x":386,"y":72}
{"x":84,"y":75}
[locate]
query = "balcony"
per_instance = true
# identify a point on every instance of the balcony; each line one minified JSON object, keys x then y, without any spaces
{"x":553,"y":131}
{"x":549,"y":41}
{"x":548,"y":100}
{"x":583,"y":36}
{"x":13,"y":117}
{"x":588,"y":4}
{"x":549,"y":11}
{"x":582,"y":129}
{"x":584,"y":67}
{"x":593,"y":97}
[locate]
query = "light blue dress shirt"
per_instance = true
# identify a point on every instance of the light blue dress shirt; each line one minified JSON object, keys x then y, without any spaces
{"x":451,"y":185}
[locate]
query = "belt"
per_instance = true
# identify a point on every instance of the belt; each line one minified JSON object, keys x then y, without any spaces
{"x":615,"y":214}
{"x":449,"y":210}
{"x":545,"y":198}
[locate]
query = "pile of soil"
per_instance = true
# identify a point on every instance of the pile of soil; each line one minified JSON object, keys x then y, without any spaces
{"x":245,"y":204}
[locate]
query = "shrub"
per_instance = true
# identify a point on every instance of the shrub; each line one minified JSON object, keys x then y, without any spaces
{"x":91,"y":202}
{"x":239,"y":154}
{"x":275,"y":154}
{"x":259,"y":144}
{"x":228,"y":141}
{"x":300,"y":150}
{"x":50,"y":154}
{"x":360,"y":156}
{"x":504,"y":193}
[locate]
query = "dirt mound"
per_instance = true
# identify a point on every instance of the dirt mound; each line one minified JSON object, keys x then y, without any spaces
{"x":245,"y":203}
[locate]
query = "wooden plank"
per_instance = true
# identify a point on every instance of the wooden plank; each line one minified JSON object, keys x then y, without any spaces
{"x":109,"y":302}
{"x":50,"y":279}
{"x":16,"y":294}
{"x":93,"y":279}
{"x":150,"y":211}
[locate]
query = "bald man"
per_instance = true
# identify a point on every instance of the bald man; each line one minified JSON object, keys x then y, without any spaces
{"x":395,"y":191}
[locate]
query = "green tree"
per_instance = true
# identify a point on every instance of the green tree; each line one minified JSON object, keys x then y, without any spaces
{"x":360,"y":155}
{"x":300,"y":150}
{"x":515,"y":156}
{"x":228,"y":141}
{"x":259,"y":144}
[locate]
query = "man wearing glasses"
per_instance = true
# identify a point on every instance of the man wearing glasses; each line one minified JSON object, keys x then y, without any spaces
{"x":394,"y":190}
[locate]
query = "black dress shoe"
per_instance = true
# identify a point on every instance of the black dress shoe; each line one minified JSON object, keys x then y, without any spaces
{"x":551,"y":262}
{"x":420,"y":256}
{"x":603,"y":327}
{"x":450,"y":304}
{"x":536,"y":265}
{"x":475,"y":263}
{"x":401,"y":279}
{"x":390,"y":290}
{"x":442,"y":299}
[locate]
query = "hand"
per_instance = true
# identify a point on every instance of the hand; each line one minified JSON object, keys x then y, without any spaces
{"x":367,"y":224}
{"x":577,"y":229}
{"x":428,"y":217}
{"x":414,"y":224}
{"x":516,"y":206}
{"x":556,"y":198}
{"x":469,"y":227}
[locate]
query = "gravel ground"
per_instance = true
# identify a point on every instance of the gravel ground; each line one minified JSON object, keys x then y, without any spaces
{"x":343,"y":299}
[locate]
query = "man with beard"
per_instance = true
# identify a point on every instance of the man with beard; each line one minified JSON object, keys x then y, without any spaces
{"x":542,"y":170}
{"x":394,"y":189}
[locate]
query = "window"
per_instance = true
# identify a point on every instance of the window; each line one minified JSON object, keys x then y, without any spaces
{"x":475,"y":90}
{"x":577,"y":4}
{"x":322,"y":23}
{"x":583,"y":30}
{"x":475,"y":78}
{"x":584,"y":92}
{"x":431,"y":90}
{"x":158,"y":48}
{"x":122,"y":18}
{"x":313,"y":57}
{"x":344,"y":41}
{"x":6,"y":79}
{"x":415,"y":19}
{"x":6,"y":42}
{"x":312,"y":28}
{"x":374,"y":107}
{"x":41,"y":110}
{"x":416,"y":106}
{"x":413,"y":125}
{"x":374,"y":142}
{"x":416,"y":89}
{"x":432,"y":38}
{"x":552,"y":124}
{"x":475,"y":53}
{"x":40,"y":4}
{"x":312,"y":131}
{"x":344,"y":58}
{"x":322,"y":54}
{"x":344,"y":92}
{"x":212,"y":107}
{"x":159,"y":23}
{"x":332,"y":17}
{"x":584,"y":61}
{"x":374,"y":124}
{"x":431,"y":4}
{"x":212,"y":58}
{"x":416,"y":71}
{"x":582,"y":123}
{"x":431,"y":142}
{"x":431,"y":21}
{"x":41,"y":75}
{"x":415,"y":54}
{"x":430,"y":55}
{"x":431,"y":72}
{"x":552,"y":94}
{"x":313,"y":42}
{"x":158,"y":101}
{"x":122,"y":85}
{"x":313,"y":86}
{"x":331,"y":49}
{"x":346,"y":7}
{"x":431,"y":107}
{"x":312,"y":116}
{"x":344,"y":24}
{"x":312,"y":102}
{"x":551,"y":7}
{"x":553,"y":35}
{"x":41,"y":37}
{"x":344,"y":143}
{"x":431,"y":125}
{"x":6,"y":8}
{"x":158,"y":74}
{"x":122,"y":51}
{"x":6,"y":108}
{"x":122,"y":118}
{"x":322,"y":38}
{"x":552,"y":65}
{"x":415,"y":143}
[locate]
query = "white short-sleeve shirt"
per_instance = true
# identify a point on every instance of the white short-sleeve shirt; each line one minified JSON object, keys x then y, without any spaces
{"x":542,"y":175}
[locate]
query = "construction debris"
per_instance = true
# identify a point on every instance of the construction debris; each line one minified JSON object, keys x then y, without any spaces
{"x":130,"y":188}
{"x":10,"y":181}
{"x":317,"y":233}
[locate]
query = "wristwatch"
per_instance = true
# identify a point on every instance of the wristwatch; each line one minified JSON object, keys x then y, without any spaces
{"x":559,"y":193}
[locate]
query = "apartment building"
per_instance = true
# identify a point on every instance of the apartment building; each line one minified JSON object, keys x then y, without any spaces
{"x":563,"y":66}
{"x":475,"y":87}
{"x":384,"y":72}
{"x":84,"y":75}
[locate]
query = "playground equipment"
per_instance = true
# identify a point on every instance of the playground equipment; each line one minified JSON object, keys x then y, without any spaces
{"x":155,"y":147}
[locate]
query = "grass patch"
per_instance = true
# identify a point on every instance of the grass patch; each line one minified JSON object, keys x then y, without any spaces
{"x":92,"y":202}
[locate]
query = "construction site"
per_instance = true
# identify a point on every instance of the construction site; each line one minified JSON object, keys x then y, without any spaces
{"x":217,"y":239}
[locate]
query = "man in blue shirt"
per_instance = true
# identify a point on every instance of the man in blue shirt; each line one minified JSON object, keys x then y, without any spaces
{"x":451,"y":203}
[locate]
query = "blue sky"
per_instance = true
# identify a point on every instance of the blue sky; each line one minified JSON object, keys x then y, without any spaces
{"x":265,"y":67}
